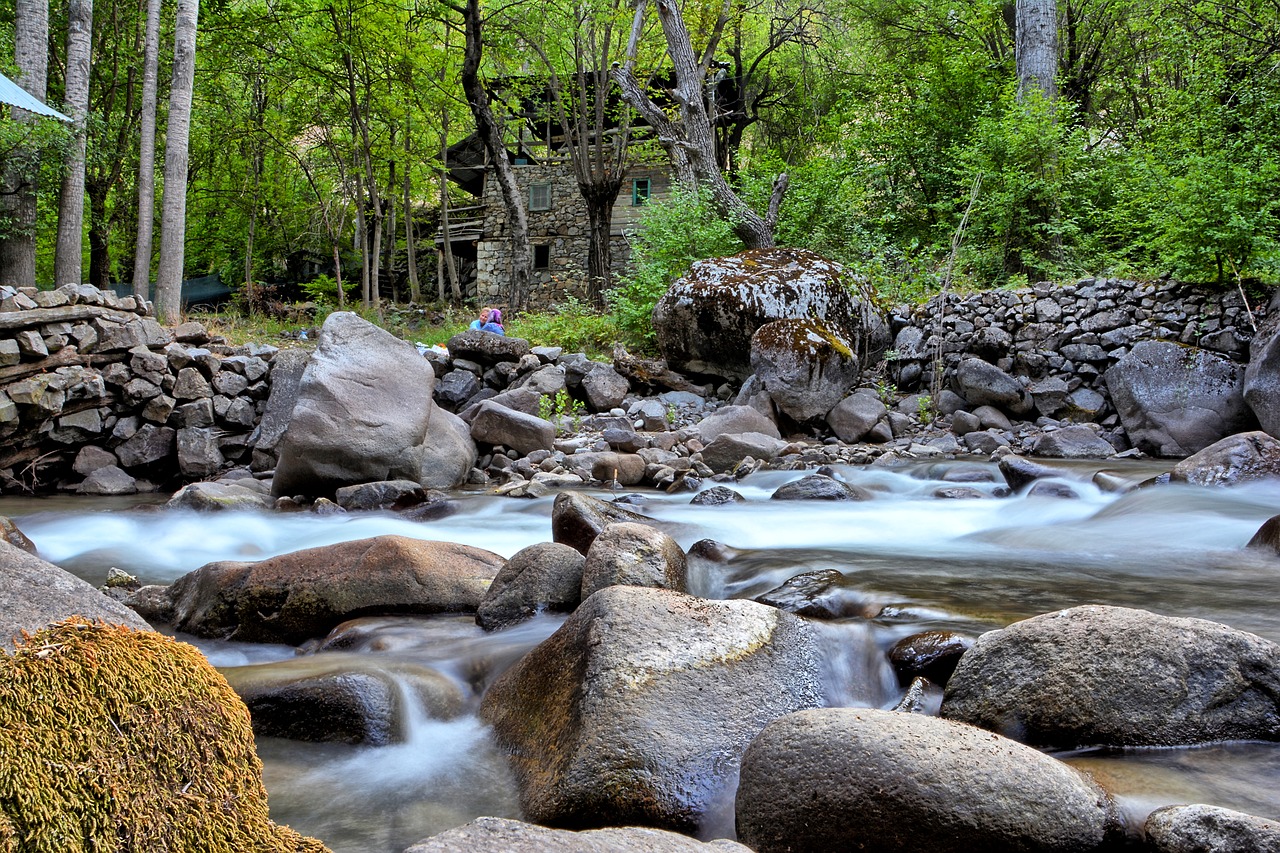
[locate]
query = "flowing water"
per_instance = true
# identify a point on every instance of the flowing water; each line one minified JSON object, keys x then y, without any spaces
{"x":912,"y":561}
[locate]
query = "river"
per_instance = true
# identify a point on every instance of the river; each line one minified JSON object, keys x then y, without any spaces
{"x":912,"y":561}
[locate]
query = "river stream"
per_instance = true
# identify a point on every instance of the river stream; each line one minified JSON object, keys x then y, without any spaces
{"x":913,"y":561}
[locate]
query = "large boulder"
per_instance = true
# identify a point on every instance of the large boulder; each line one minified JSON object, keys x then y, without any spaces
{"x":726,"y":451}
{"x":304,"y":594}
{"x":855,"y":416}
{"x":497,"y":425}
{"x":1175,"y":400}
{"x":363,"y":412}
{"x":546,"y":577}
{"x":35,"y":593}
{"x":1115,"y":676}
{"x":486,"y":348}
{"x":630,"y":554}
{"x":604,"y":388}
{"x":1077,"y":441}
{"x":502,"y":835}
{"x":450,"y":454}
{"x":705,"y":321}
{"x":1200,"y":828}
{"x":1236,"y":459}
{"x":1262,"y":375}
{"x":115,"y":739}
{"x":286,"y":377}
{"x":983,"y":384}
{"x":806,"y":366}
{"x":637,"y":710}
{"x":734,"y":420}
{"x":838,"y":779}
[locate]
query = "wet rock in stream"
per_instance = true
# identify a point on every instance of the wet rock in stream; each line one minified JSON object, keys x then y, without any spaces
{"x":501,"y":835}
{"x":636,"y":710}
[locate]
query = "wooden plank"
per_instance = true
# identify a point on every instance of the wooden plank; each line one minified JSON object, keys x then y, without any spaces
{"x":63,"y":357}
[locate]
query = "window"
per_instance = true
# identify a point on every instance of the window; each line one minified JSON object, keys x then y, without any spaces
{"x":540,"y":196}
{"x":639,"y":191}
{"x":542,"y":257}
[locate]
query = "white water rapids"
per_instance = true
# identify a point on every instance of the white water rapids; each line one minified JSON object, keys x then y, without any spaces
{"x":966,"y":565}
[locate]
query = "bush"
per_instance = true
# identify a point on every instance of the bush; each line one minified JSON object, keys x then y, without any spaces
{"x":571,"y":324}
{"x":672,"y":234}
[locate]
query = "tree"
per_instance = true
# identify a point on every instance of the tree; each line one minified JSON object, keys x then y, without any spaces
{"x":21,"y":168}
{"x":173,"y":216}
{"x":690,"y":139}
{"x":69,"y":257}
{"x":147,"y":153}
{"x":490,"y":132}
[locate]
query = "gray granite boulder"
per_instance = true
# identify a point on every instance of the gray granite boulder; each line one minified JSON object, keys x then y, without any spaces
{"x":36,"y":593}
{"x":837,"y":779}
{"x":705,"y":321}
{"x":819,"y":487}
{"x":577,"y":519}
{"x":1262,"y":375}
{"x":1072,"y":442}
{"x":1209,"y":829}
{"x":631,"y":554}
{"x":983,"y":384}
{"x":855,"y":416}
{"x":636,"y":711}
{"x":1242,"y":458}
{"x":604,"y":388}
{"x":448,"y":457}
{"x":805,"y":366}
{"x":542,"y":578}
{"x":726,"y":451}
{"x":364,"y":403}
{"x":497,"y":425}
{"x":486,"y":348}
{"x":732,"y":420}
{"x":502,"y":835}
{"x":1175,"y":400}
{"x":1116,"y":676}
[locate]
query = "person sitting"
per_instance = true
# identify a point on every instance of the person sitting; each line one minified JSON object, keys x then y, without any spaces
{"x":494,"y":323}
{"x":485,"y":312}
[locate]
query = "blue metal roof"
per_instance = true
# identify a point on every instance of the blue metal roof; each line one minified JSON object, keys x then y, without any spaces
{"x":15,"y":96}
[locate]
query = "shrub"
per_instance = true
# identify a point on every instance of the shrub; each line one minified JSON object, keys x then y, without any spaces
{"x":672,"y":234}
{"x":571,"y":324}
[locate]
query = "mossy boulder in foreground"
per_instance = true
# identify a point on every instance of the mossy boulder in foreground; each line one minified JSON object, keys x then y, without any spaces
{"x":119,"y":740}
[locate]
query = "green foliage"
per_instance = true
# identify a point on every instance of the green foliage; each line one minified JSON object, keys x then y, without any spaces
{"x":924,"y":408}
{"x":572,"y":325}
{"x":561,"y":405}
{"x":324,"y":289}
{"x":671,"y":235}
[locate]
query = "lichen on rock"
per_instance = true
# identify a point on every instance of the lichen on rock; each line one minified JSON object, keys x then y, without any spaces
{"x":113,"y":739}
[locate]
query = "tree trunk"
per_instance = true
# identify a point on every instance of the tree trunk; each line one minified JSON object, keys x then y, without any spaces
{"x":446,"y":242}
{"x":68,"y":260}
{"x":362,"y":238}
{"x":173,"y":210}
{"x":690,"y":142}
{"x":147,"y":154}
{"x":600,"y":198}
{"x":99,"y":236}
{"x":389,"y":260}
{"x":21,"y":171}
{"x":410,"y":250}
{"x":1036,"y":47}
{"x":491,"y":133}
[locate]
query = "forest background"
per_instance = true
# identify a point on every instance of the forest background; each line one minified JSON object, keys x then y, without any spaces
{"x":318,"y":131}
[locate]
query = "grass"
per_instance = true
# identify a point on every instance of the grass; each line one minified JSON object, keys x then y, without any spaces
{"x":571,"y":325}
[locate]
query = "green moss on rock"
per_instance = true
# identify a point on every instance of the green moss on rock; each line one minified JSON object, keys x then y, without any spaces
{"x":119,"y":740}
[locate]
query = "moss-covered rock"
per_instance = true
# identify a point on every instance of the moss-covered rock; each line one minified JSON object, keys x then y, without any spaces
{"x":119,"y":740}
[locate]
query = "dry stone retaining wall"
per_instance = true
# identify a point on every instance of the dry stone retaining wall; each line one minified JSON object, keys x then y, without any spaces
{"x":1069,"y":333}
{"x":97,"y":396}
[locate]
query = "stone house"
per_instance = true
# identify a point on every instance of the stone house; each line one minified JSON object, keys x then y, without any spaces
{"x":557,"y":213}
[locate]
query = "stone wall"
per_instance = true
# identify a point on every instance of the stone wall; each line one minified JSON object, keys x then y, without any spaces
{"x":1070,"y":334}
{"x":96,"y":396}
{"x":562,"y":229}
